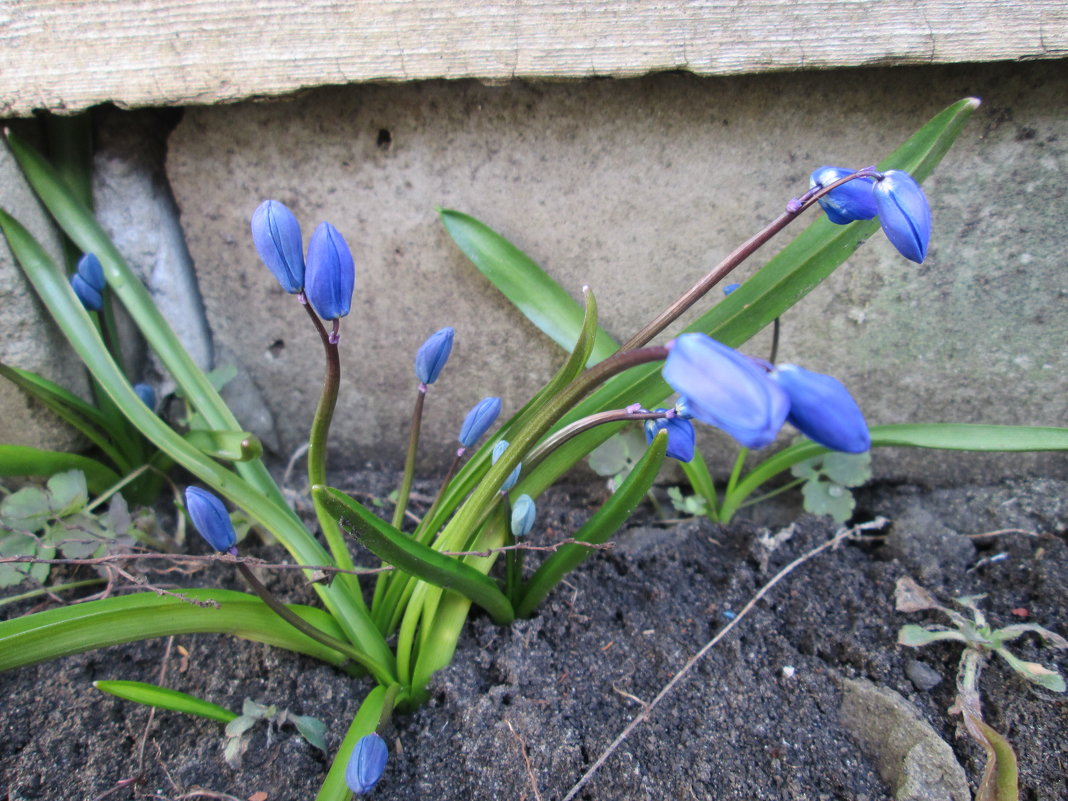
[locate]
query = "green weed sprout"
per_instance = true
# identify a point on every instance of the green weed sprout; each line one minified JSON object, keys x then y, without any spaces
{"x":980,"y":639}
{"x":405,"y":628}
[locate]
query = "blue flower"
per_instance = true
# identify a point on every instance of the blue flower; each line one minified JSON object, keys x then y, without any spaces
{"x":146,"y":394}
{"x":513,"y":477}
{"x":730,"y":288}
{"x":523,"y":514}
{"x":433,"y":354}
{"x":478,"y":420}
{"x":725,"y":389}
{"x":822,"y":409}
{"x":904,"y":214}
{"x":90,"y":298}
{"x":682,"y":408}
{"x":679,"y":432}
{"x":211,"y":519}
{"x":91,"y":271}
{"x":366,"y":764}
{"x":851,"y":201}
{"x":276,"y":234}
{"x":331,"y":274}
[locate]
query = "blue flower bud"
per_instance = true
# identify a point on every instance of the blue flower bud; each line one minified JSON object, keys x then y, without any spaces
{"x":513,"y":477}
{"x":91,"y":271}
{"x":680,"y":435}
{"x":523,"y":514}
{"x":331,"y":274}
{"x":904,"y":214}
{"x":91,"y":298}
{"x":850,"y":201}
{"x":730,"y":288}
{"x":822,"y":409}
{"x":366,"y":764}
{"x":433,"y":354}
{"x":146,"y":394}
{"x":210,"y":518}
{"x":725,"y":389}
{"x":478,"y":420}
{"x":276,"y":234}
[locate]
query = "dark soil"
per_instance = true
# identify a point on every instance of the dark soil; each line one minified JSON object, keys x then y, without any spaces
{"x":524,"y":710}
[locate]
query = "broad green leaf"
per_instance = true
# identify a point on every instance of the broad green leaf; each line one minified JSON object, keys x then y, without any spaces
{"x":828,"y":498}
{"x":27,"y":509}
{"x":311,"y":729}
{"x":68,"y":493}
{"x":1034,"y":672}
{"x":164,"y":698}
{"x":398,"y":549}
{"x":523,"y":282}
{"x":847,"y":469}
{"x":14,"y":573}
{"x":22,"y":460}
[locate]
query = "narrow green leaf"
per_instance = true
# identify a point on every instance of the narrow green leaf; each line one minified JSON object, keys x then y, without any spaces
{"x":52,"y":393}
{"x":916,"y":636}
{"x":230,"y":446}
{"x":95,"y":624}
{"x":598,"y":528}
{"x":164,"y":698}
{"x":311,"y":729}
{"x":522,"y":281}
{"x":401,"y":551}
{"x":22,"y":460}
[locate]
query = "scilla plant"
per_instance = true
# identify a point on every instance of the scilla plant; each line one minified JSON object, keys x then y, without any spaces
{"x":488,"y":498}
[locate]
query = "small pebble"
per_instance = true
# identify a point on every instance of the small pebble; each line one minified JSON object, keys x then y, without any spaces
{"x":923,"y":678}
{"x":788,"y":671}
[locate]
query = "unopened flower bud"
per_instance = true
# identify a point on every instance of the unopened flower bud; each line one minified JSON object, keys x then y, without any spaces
{"x":822,"y":409}
{"x":276,"y":235}
{"x":91,"y":271}
{"x":851,"y":201}
{"x":331,"y":274}
{"x":479,"y":420}
{"x":433,"y":354}
{"x":680,"y":434}
{"x":211,"y":519}
{"x":523,"y":514}
{"x":904,"y":214}
{"x":146,"y":394}
{"x":513,"y":477}
{"x":90,"y":298}
{"x":366,"y":764}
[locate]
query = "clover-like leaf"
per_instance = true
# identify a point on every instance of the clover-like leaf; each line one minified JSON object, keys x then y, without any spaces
{"x":847,"y":469}
{"x":26,"y":510}
{"x":828,"y":498}
{"x":68,"y":493}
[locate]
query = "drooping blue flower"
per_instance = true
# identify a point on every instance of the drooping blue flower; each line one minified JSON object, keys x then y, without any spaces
{"x":682,"y":408}
{"x":726,"y":390}
{"x":276,"y":235}
{"x":91,"y":298}
{"x":331,"y":274}
{"x":513,"y":477}
{"x":146,"y":394}
{"x":366,"y":764}
{"x":679,"y":432}
{"x":479,"y":420}
{"x":91,"y":271}
{"x":822,"y":409}
{"x":851,"y":201}
{"x":904,"y":213}
{"x":523,"y":514}
{"x":433,"y":354}
{"x":211,"y":519}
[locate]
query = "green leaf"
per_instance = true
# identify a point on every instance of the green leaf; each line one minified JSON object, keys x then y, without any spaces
{"x":164,"y":698}
{"x":401,"y":551}
{"x":22,"y":460}
{"x":311,"y":729}
{"x":230,"y":446}
{"x":599,"y":528}
{"x":828,"y":498}
{"x":14,"y":573}
{"x":523,"y":282}
{"x":240,"y":724}
{"x":1033,"y":672}
{"x":847,"y":469}
{"x":365,"y":722}
{"x":26,"y":510}
{"x":69,"y":493}
{"x":917,"y":636}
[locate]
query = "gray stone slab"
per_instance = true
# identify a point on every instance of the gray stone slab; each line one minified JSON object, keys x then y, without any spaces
{"x":637,"y":187}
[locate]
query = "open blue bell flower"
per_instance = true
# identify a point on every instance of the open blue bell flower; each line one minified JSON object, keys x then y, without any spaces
{"x":680,"y":435}
{"x":90,"y":298}
{"x":904,"y":213}
{"x":725,"y":389}
{"x":276,"y":235}
{"x":513,"y":477}
{"x":851,"y":201}
{"x":432,"y":355}
{"x":478,"y":420}
{"x":822,"y":409}
{"x":523,"y":514}
{"x":366,"y":764}
{"x":211,"y":519}
{"x":331,"y":274}
{"x":91,"y":271}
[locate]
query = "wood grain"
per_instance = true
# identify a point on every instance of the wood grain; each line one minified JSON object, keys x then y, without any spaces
{"x":66,"y":55}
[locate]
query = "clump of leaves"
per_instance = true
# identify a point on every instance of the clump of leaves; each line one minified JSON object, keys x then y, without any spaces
{"x":980,"y":639}
{"x":311,"y":729}
{"x":828,"y":479}
{"x":617,"y":455}
{"x":39,"y":521}
{"x":692,"y":505}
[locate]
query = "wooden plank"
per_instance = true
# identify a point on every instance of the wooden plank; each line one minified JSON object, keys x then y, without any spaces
{"x":66,"y":55}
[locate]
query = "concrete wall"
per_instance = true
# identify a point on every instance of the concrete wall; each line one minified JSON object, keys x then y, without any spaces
{"x":636,"y":187}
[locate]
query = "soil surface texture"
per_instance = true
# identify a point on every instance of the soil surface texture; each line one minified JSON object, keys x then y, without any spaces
{"x":523,"y":711}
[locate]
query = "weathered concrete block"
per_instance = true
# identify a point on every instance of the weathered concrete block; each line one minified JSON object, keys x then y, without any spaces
{"x":28,"y":337}
{"x":636,"y":188}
